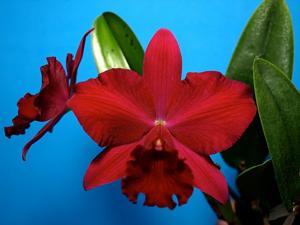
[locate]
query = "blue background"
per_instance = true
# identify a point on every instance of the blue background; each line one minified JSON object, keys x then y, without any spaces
{"x":47,"y":189}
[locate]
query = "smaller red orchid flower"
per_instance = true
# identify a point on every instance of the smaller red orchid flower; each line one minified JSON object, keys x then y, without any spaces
{"x":158,"y":130}
{"x":50,"y":103}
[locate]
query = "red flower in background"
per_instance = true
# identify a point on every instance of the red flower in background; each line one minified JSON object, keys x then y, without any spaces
{"x":50,"y":103}
{"x":159,"y":130}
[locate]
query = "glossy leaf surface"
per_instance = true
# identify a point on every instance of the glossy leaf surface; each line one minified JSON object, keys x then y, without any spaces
{"x":269,"y":35}
{"x":278,"y":104}
{"x":115,"y":45}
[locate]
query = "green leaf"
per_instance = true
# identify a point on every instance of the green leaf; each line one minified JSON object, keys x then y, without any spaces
{"x":278,"y":104}
{"x":258,"y":184}
{"x":115,"y":45}
{"x":268,"y":34}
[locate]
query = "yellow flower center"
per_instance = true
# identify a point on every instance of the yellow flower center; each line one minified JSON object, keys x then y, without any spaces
{"x":159,"y":122}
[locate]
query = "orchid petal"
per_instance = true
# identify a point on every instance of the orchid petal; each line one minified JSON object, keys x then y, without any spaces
{"x":47,"y":128}
{"x":113,"y":109}
{"x":108,"y":166}
{"x":207,"y":177}
{"x":209,"y":113}
{"x":26,"y":114}
{"x":54,"y":93}
{"x":159,"y":175}
{"x":73,"y":65}
{"x":162,"y":68}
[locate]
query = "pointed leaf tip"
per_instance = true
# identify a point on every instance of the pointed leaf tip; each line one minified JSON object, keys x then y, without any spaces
{"x":268,"y":35}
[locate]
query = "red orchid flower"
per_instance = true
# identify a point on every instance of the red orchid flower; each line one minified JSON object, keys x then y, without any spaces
{"x":50,"y":103}
{"x":159,"y":130}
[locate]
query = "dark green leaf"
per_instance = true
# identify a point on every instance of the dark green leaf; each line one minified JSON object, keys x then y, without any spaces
{"x":115,"y":45}
{"x":268,"y":34}
{"x":278,"y":104}
{"x":258,"y":184}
